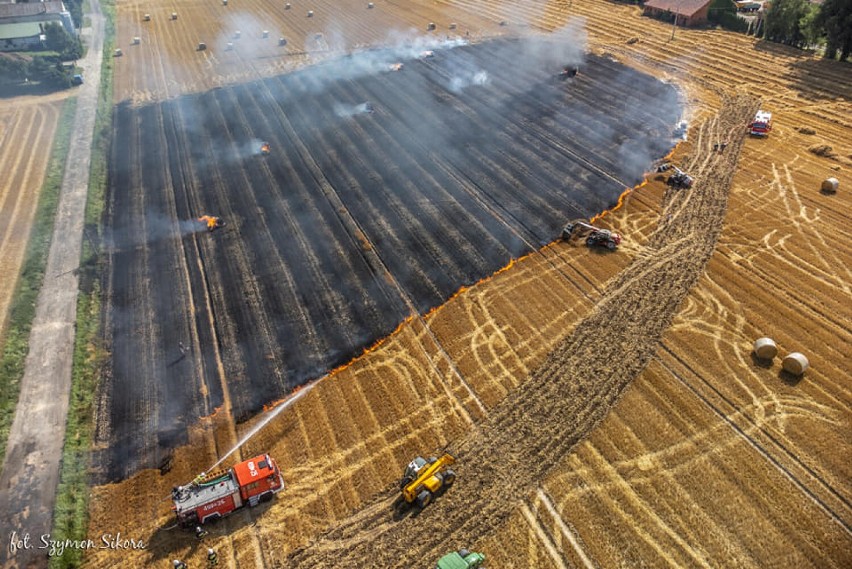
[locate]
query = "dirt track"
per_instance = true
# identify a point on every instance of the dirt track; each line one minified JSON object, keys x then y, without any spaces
{"x":34,"y":451}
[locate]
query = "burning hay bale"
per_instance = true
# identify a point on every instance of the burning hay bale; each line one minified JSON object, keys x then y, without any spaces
{"x":830,"y":185}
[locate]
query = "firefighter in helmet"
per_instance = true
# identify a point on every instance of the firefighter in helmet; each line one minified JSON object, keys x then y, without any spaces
{"x":212,"y":558}
{"x":179,"y":564}
{"x":200,"y":533}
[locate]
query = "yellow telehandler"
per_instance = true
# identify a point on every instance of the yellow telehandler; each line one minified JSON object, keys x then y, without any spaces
{"x":423,"y":478}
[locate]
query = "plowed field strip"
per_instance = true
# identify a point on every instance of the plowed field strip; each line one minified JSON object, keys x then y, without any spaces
{"x":535,"y":427}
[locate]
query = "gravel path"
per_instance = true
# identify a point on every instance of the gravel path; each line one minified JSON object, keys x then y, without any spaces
{"x":31,"y":469}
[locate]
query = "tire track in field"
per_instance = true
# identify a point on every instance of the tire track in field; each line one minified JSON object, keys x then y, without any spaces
{"x":502,"y":460}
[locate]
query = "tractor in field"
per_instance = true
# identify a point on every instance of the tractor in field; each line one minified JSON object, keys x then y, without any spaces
{"x":423,"y":478}
{"x":213,"y":223}
{"x":461,"y":559}
{"x":595,"y":236}
{"x":680,"y":179}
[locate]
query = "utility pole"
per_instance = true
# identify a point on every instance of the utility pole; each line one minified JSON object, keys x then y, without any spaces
{"x":674,"y":23}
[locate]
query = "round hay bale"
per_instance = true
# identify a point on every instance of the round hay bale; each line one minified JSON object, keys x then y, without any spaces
{"x":310,"y":13}
{"x":369,"y":5}
{"x":830,"y":185}
{"x":287,"y":6}
{"x":224,"y":2}
{"x":237,"y":35}
{"x":765,"y":348}
{"x":453,"y":25}
{"x":282,"y":41}
{"x":265,"y":34}
{"x":795,"y":363}
{"x":430,"y":26}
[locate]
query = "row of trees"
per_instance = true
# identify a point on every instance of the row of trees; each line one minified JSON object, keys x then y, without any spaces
{"x":57,"y":39}
{"x":46,"y":70}
{"x":801,"y":23}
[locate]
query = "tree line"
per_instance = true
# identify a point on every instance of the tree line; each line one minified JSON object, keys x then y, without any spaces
{"x":46,"y":69}
{"x":802,"y":24}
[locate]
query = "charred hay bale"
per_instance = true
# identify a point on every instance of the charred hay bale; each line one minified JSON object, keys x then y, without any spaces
{"x":765,"y":348}
{"x":830,"y":185}
{"x":823,"y":150}
{"x":795,"y":363}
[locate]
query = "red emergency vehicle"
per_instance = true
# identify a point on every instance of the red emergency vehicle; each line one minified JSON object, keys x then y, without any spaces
{"x":761,"y":125}
{"x":247,"y":483}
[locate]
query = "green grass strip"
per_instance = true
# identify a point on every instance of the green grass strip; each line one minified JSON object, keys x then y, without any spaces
{"x":71,"y":513}
{"x":15,"y":344}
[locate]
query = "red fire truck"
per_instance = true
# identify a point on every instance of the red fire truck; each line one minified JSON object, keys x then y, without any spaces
{"x":210,"y":498}
{"x":761,"y":125}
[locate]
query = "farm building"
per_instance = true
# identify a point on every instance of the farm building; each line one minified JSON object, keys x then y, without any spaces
{"x":22,"y":24}
{"x":688,"y":12}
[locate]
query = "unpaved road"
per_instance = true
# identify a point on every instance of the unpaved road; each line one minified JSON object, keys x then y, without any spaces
{"x":502,"y":461}
{"x":31,"y":468}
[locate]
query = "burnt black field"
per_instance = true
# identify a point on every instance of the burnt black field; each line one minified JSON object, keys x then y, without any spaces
{"x":470,"y":158}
